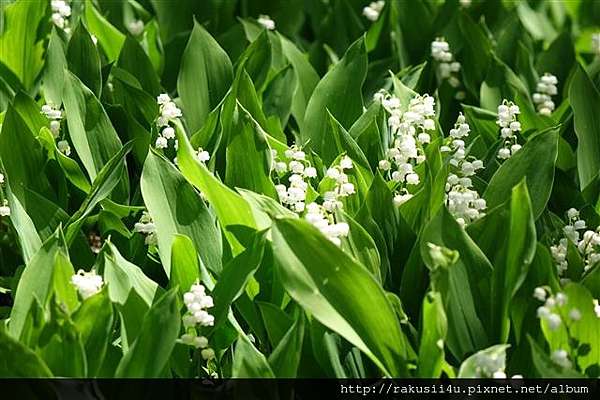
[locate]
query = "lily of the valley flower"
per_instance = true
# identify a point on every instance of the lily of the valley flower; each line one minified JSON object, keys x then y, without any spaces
{"x":197,"y":303}
{"x":373,"y":10}
{"x":61,"y":11}
{"x":266,"y":22}
{"x":169,"y":112}
{"x":87,"y":283}
{"x":546,"y":88}
{"x":509,"y":127}
{"x":463,"y":202}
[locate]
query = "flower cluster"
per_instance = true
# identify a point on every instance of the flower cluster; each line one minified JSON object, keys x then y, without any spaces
{"x":293,"y":197}
{"x":489,"y":366}
{"x":587,"y":244}
{"x":197,"y":302}
{"x":87,"y":283}
{"x":324,"y":220}
{"x":561,"y":358}
{"x":266,"y":22}
{"x":462,"y":201}
{"x":546,"y":88}
{"x":409,"y":131}
{"x":596,"y":43}
{"x":323,"y":216}
{"x":146,"y":227}
{"x":55,"y":116}
{"x":554,"y":308}
{"x":169,"y":112}
{"x":300,"y":171}
{"x":61,"y":11}
{"x":373,"y":10}
{"x":509,"y":127}
{"x":4,"y":208}
{"x":448,"y":68}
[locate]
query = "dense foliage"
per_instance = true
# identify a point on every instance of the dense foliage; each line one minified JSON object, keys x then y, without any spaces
{"x":318,"y":188}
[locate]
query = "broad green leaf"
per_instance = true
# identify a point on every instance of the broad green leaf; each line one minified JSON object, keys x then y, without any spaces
{"x":22,"y":49}
{"x":535,"y":161}
{"x":330,"y":285}
{"x":230,"y":207}
{"x":22,"y":156}
{"x":512,"y":264}
{"x":306,"y":78}
{"x":122,"y":277}
{"x":113,"y":172}
{"x":204,"y":77}
{"x":461,"y":284}
{"x":185,"y":270}
{"x":150,"y":352}
{"x":585,"y":101}
{"x":176,"y":207}
{"x":248,"y":156}
{"x":83,"y":59}
{"x":18,"y":361}
{"x":285,"y":358}
{"x":91,"y":132}
{"x":94,"y":321}
{"x":134,"y":60}
{"x":248,"y":362}
{"x":338,"y":95}
{"x":37,"y":280}
{"x":236,"y":275}
{"x":109,"y":37}
{"x":434,"y":327}
{"x":56,"y":63}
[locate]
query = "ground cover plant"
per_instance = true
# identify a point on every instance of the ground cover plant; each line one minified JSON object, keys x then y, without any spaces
{"x":253,"y":188}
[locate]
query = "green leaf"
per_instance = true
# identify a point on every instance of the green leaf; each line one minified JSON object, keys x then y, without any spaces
{"x":204,"y":77}
{"x":36,"y":282}
{"x":535,"y":161}
{"x":248,"y":362}
{"x":230,"y":207}
{"x":236,"y":275}
{"x":90,"y":129}
{"x":285,"y":358}
{"x":585,"y":101}
{"x":56,"y":63}
{"x":107,"y":179}
{"x":21,"y":48}
{"x":84,"y":60}
{"x":185,"y":270}
{"x":461,"y":284}
{"x":512,"y":264}
{"x":19,"y":361}
{"x":336,"y":93}
{"x":134,"y":60}
{"x":544,"y":365}
{"x":150,"y":352}
{"x":330,"y":285}
{"x":176,"y":207}
{"x":306,"y":78}
{"x":22,"y":156}
{"x":123,"y":277}
{"x":109,"y":37}
{"x":434,"y":327}
{"x":94,"y":321}
{"x":248,"y":156}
